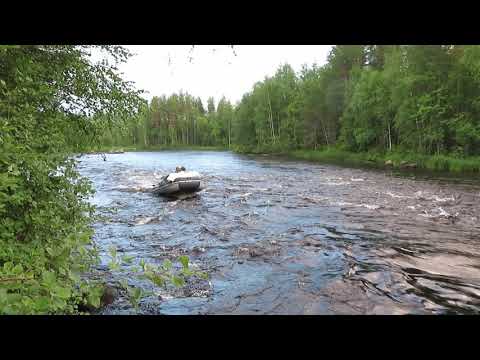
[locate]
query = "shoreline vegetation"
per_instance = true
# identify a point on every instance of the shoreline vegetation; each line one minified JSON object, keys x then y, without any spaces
{"x":392,"y":160}
{"x":437,"y":163}
{"x":123,"y":149}
{"x":395,"y":160}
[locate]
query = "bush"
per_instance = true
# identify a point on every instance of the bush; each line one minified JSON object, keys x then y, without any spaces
{"x":45,"y":233}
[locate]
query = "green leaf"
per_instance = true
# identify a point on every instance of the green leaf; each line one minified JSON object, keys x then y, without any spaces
{"x":124,"y":284}
{"x":157,"y":279}
{"x":187,"y":272}
{"x":18,"y":269}
{"x":49,"y":278}
{"x":8,"y":266}
{"x":74,"y":277}
{"x":62,"y":292}
{"x":113,"y":251}
{"x":41,"y":304}
{"x":178,"y":281}
{"x":184,"y":260}
{"x":94,"y":297}
{"x":167,"y":264}
{"x":94,"y":301}
{"x":137,"y":293}
{"x":3,"y":296}
{"x":113,"y":266}
{"x":127,"y":259}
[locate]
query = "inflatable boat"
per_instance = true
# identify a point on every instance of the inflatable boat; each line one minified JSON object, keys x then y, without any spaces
{"x":182,"y":182}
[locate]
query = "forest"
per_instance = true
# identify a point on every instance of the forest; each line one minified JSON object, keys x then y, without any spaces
{"x":417,"y":100}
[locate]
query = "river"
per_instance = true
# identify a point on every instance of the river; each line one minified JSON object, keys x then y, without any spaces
{"x":290,"y":237}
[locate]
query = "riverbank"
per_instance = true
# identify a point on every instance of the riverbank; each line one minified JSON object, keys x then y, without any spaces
{"x":395,"y":160}
{"x":121,"y":149}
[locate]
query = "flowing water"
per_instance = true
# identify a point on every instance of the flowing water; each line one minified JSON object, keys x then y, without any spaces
{"x":290,"y":237}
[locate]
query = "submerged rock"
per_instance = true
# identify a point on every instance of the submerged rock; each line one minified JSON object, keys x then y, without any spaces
{"x":407,"y":165}
{"x":109,"y":295}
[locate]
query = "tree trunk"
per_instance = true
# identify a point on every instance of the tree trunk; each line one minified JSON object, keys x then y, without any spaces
{"x":325,"y":133}
{"x":389,"y":137}
{"x":230,"y":130}
{"x":271,"y":116}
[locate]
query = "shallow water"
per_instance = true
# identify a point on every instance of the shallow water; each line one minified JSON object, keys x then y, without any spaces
{"x":290,"y":237}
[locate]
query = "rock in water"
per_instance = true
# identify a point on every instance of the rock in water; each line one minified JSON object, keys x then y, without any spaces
{"x":109,"y":295}
{"x":406,"y":165}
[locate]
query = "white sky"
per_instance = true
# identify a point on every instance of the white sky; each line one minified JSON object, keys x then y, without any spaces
{"x":214,"y":70}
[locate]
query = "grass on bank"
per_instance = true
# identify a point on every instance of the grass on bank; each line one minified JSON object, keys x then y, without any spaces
{"x":397,"y":159}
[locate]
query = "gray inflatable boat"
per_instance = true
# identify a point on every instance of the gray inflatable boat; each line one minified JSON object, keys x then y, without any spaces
{"x":182,"y":182}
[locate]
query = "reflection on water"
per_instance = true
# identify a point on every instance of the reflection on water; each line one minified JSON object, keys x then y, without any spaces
{"x":287,"y":237}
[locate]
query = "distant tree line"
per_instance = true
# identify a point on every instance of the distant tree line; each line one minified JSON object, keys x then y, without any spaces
{"x":417,"y":98}
{"x":177,"y":120}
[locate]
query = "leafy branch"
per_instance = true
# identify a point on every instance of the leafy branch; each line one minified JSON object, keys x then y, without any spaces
{"x":160,"y":276}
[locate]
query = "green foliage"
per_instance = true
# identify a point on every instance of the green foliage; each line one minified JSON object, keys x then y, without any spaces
{"x":161,"y":276}
{"x":45,"y":234}
{"x":175,"y":121}
{"x":376,"y":98}
{"x":378,"y":159}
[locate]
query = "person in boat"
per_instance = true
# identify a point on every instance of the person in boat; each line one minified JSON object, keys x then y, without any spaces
{"x":177,"y":170}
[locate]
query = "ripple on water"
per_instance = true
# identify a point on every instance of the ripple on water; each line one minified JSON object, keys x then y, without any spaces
{"x":287,"y":237}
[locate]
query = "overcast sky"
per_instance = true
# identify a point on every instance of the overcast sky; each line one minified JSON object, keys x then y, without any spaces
{"x":213,"y":70}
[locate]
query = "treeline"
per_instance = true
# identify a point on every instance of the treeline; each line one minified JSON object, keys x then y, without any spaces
{"x":423,"y":99}
{"x":177,"y":120}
